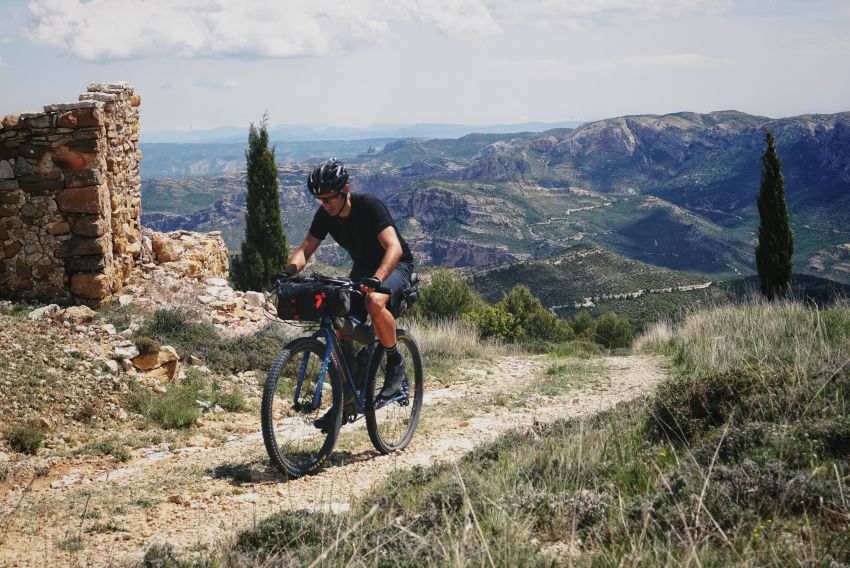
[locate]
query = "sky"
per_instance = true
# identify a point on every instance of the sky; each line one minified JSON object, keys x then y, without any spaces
{"x":201,"y":64}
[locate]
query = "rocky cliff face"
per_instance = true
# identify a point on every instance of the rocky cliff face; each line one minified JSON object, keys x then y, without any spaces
{"x":442,"y":252}
{"x":430,"y":206}
{"x":502,"y":161}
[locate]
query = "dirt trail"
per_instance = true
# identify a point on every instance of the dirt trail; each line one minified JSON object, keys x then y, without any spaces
{"x":98,"y":513}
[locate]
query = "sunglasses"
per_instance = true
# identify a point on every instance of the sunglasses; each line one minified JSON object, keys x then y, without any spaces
{"x":327,"y":200}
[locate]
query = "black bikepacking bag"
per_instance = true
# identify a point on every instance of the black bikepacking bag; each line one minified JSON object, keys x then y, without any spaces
{"x":307,"y":301}
{"x":300,"y":301}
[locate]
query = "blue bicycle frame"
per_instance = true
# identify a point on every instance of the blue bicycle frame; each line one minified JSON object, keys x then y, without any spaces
{"x":326,"y":330}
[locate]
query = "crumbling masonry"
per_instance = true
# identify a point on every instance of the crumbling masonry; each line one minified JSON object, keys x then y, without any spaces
{"x":70,"y":198}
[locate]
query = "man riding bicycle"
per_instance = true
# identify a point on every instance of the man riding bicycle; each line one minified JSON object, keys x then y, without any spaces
{"x":362,"y":225}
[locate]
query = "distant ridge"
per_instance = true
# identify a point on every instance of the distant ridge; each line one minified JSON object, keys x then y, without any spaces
{"x":316,"y":132}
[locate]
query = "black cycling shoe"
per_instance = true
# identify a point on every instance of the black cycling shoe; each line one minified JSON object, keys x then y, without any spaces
{"x":393,"y":381}
{"x":349,"y":412}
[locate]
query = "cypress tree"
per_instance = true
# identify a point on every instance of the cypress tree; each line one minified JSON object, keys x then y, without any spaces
{"x":775,"y":240}
{"x":264,"y":250}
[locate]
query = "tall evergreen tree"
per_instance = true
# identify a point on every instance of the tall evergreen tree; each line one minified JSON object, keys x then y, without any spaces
{"x":775,"y":239}
{"x":264,"y":250}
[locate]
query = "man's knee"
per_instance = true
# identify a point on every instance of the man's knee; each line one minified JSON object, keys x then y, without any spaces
{"x":375,"y":303}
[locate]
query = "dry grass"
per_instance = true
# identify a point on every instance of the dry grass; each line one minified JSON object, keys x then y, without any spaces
{"x":787,"y":335}
{"x":656,"y":339}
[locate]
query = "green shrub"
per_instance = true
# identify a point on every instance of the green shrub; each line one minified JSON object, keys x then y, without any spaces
{"x":685,"y":407}
{"x":500,"y":324}
{"x":109,"y":447}
{"x":613,"y":331}
{"x":164,"y":323}
{"x":584,"y":325}
{"x":116,"y":314}
{"x":233,"y":401}
{"x":24,"y":438}
{"x":175,"y":408}
{"x":446,"y":296}
{"x":146,"y":345}
{"x":519,"y":316}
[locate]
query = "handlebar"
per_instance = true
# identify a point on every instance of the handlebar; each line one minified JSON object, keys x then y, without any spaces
{"x":342,"y":282}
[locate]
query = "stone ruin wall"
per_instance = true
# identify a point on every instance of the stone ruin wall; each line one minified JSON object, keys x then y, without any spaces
{"x":70,"y":198}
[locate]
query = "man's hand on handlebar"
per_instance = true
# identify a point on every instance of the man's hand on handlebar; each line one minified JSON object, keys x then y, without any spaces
{"x":369,"y":285}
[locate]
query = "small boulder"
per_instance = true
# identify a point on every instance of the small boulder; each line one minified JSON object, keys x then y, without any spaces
{"x":43,"y":313}
{"x":78,"y":314}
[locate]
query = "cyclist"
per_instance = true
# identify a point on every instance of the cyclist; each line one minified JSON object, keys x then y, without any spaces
{"x":362,"y":225}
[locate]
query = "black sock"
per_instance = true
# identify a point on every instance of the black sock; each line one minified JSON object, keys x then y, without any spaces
{"x":393,"y":356}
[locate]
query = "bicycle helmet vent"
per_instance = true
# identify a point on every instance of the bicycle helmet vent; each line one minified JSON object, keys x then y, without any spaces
{"x":328,"y":177}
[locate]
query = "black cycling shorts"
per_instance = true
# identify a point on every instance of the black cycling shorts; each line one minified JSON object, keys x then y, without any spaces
{"x":397,"y":281}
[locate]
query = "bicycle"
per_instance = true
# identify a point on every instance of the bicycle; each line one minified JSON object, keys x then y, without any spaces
{"x":308,"y":376}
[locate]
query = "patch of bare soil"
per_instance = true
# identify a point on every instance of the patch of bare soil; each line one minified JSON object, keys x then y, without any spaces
{"x":196,"y":491}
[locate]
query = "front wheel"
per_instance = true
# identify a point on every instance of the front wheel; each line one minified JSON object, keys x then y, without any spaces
{"x":391,"y":424}
{"x":295,"y":445}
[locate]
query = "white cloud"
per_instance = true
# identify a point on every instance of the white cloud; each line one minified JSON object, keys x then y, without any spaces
{"x":2,"y":63}
{"x":5,"y":40}
{"x":125,"y":29}
{"x":208,"y":83}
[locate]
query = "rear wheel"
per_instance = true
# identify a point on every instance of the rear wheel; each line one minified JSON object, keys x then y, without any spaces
{"x":391,"y":424}
{"x":295,"y":445}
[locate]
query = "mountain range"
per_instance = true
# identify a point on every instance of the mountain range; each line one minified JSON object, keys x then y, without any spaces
{"x":676,"y":191}
{"x":321,"y":132}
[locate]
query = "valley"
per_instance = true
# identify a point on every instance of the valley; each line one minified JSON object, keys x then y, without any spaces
{"x":676,"y":191}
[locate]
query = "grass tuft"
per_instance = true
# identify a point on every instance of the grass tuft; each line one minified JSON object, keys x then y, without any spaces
{"x":24,"y":438}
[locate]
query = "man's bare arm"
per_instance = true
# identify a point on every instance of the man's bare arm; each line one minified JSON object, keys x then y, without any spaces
{"x":392,"y":253}
{"x":302,"y":254}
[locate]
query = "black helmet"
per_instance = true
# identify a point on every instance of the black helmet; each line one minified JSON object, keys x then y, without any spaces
{"x":328,"y":177}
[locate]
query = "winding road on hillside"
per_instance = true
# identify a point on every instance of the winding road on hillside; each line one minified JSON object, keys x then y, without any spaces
{"x":204,"y":493}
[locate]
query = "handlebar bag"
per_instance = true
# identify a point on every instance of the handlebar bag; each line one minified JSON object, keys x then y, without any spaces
{"x":301,"y":301}
{"x":338,"y":301}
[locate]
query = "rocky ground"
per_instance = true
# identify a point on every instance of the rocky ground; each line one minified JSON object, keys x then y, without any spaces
{"x":107,"y":483}
{"x":194,"y":488}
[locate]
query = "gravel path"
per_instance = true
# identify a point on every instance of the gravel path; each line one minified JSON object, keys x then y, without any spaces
{"x":194,"y":497}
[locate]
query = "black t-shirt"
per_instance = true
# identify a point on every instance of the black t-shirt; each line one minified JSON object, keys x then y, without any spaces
{"x":358,"y":233}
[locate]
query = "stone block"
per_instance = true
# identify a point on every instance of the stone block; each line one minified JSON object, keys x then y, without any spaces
{"x":32,"y":211}
{"x":43,"y":121}
{"x":62,"y":228}
{"x":90,"y":286}
{"x":89,"y":263}
{"x":72,"y":106}
{"x":23,"y":270}
{"x":20,"y":284}
{"x":82,"y":178}
{"x":90,"y":226}
{"x":46,"y":269}
{"x":81,"y":200}
{"x":80,"y":117}
{"x":165,"y":249}
{"x":82,"y":246}
{"x":8,"y":212}
{"x":84,"y":146}
{"x":9,"y":185}
{"x":11,"y":121}
{"x":86,"y":134}
{"x":68,"y":160}
{"x":39,"y":186}
{"x":12,"y":249}
{"x":7,"y":169}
